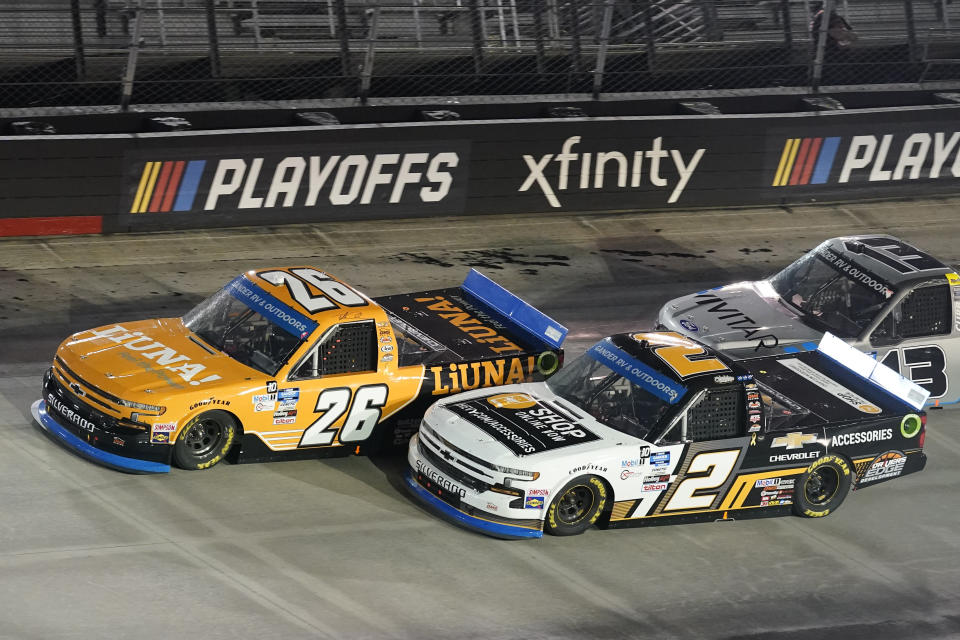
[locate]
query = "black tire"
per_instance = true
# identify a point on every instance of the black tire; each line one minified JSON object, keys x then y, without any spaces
{"x":205,"y":440}
{"x":822,"y":487}
{"x":576,"y":507}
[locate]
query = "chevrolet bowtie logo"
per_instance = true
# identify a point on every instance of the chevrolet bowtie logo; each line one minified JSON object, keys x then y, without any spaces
{"x":446,"y":454}
{"x":76,"y":389}
{"x":794,"y":440}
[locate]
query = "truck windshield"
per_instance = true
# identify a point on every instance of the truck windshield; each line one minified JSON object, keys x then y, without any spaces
{"x":608,"y":396}
{"x":843,"y":302}
{"x":245,"y":335}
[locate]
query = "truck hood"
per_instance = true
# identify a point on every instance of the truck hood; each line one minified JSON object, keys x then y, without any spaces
{"x":508,"y":425}
{"x":148,"y":360}
{"x":745,"y":319}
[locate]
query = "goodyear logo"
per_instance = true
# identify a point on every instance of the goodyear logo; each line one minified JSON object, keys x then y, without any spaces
{"x":868,"y":158}
{"x":275,"y":181}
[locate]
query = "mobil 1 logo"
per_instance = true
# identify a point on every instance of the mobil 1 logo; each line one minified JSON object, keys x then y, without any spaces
{"x":381,"y":177}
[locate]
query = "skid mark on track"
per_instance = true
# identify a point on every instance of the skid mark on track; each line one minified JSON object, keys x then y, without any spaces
{"x":496,"y":259}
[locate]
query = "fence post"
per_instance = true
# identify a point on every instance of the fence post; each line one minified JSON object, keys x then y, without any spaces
{"x":367,"y":72}
{"x":575,"y":50}
{"x":787,"y":24}
{"x":214,"y":40}
{"x":130,"y":72}
{"x":649,"y":36}
{"x":78,"y":55}
{"x":602,"y":49}
{"x":538,"y":34}
{"x":817,"y":75}
{"x":343,"y":31}
{"x":912,"y":46}
{"x":476,"y":30}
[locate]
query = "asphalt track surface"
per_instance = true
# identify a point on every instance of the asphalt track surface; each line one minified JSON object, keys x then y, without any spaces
{"x":336,"y":549}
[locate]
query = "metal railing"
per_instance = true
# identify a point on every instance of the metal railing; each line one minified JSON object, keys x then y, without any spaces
{"x":80,"y":52}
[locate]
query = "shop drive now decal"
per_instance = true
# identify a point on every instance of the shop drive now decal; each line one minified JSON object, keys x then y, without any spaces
{"x":868,"y":158}
{"x":274,"y":181}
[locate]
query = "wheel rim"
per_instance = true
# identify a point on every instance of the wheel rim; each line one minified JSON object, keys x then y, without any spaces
{"x":575,"y":504}
{"x":203,"y":437}
{"x":822,"y":485}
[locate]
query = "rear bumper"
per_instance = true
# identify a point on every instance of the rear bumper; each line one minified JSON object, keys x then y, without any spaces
{"x":504,"y":529}
{"x":84,"y":448}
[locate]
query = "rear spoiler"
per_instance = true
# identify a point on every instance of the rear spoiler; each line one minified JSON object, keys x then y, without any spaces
{"x":513,"y":311}
{"x":876,"y":372}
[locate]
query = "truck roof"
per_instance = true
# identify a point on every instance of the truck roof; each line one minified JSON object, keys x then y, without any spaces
{"x":891,"y":259}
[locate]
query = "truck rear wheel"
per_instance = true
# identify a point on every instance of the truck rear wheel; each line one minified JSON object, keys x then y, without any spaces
{"x":822,"y":487}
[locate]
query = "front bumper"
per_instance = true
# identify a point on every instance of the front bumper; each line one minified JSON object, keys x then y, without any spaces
{"x":517,"y":530}
{"x":90,"y":435}
{"x":450,"y":498}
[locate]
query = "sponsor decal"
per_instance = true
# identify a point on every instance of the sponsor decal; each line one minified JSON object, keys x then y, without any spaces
{"x":288,"y":416}
{"x":654,"y":486}
{"x":689,"y":326}
{"x":268,"y":405}
{"x":492,"y":507}
{"x":587,"y":467}
{"x":387,"y":358}
{"x":164,"y":427}
{"x":868,"y":158}
{"x":753,"y":404}
{"x":466,"y":317}
{"x":884,"y":466}
{"x":630,"y":473}
{"x":288,"y":394}
{"x":160,"y":438}
{"x":754,"y":418}
{"x":767,"y":482}
{"x":538,"y":492}
{"x":464,"y":376}
{"x":533,"y":502}
{"x":830,"y":385}
{"x":120,"y":442}
{"x":723,"y":379}
{"x":258,"y":300}
{"x":660,"y":457}
{"x":515,"y":401}
{"x":272,"y":386}
{"x":435,"y":478}
{"x":861,"y":437}
{"x":637,"y":372}
{"x":276,"y":181}
{"x":152,"y":352}
{"x":69,"y":413}
{"x":209,"y":401}
{"x":636,"y":462}
{"x":795,"y":457}
{"x":855,"y":272}
{"x":735,"y":319}
{"x":522,"y":429}
{"x":794,"y":440}
{"x":596,"y":170}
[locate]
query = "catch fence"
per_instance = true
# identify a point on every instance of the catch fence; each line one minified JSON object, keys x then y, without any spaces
{"x":108,"y":52}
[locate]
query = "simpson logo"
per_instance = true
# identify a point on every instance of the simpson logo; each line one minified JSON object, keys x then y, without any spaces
{"x":869,"y":158}
{"x":274,"y":181}
{"x":589,"y":170}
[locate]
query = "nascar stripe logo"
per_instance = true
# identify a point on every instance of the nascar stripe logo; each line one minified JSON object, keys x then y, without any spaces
{"x":806,"y":161}
{"x":168,"y":186}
